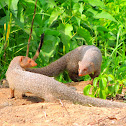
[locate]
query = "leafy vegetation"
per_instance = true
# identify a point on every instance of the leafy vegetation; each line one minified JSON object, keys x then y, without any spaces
{"x":67,"y":25}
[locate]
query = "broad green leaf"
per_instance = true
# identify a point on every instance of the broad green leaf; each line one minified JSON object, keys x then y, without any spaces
{"x":20,"y":24}
{"x":102,"y":94}
{"x":94,"y":12}
{"x":87,"y":89}
{"x":95,"y":81}
{"x":14,"y":7}
{"x":81,"y":8}
{"x":111,"y":89}
{"x":101,"y":85}
{"x":78,"y":7}
{"x":51,"y":32}
{"x":78,"y":20}
{"x":65,"y":31}
{"x":51,"y":3}
{"x":116,"y":88}
{"x":2,"y":4}
{"x":110,"y":77}
{"x":85,"y":34}
{"x":104,"y":82}
{"x":98,"y":3}
{"x":49,"y":45}
{"x":73,"y":45}
{"x":75,"y":1}
{"x":68,"y":29}
{"x":122,"y":69}
{"x":102,"y":28}
{"x":3,"y":20}
{"x":105,"y":15}
{"x":54,"y":15}
{"x":124,"y":81}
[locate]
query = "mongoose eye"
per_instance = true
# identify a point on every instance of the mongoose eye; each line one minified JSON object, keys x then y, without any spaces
{"x":85,"y":69}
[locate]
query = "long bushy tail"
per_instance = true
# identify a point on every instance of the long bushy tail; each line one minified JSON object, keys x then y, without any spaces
{"x":64,"y":92}
{"x":40,"y":46}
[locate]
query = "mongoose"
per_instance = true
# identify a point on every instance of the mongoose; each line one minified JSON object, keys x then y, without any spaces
{"x":78,"y":62}
{"x":47,"y":87}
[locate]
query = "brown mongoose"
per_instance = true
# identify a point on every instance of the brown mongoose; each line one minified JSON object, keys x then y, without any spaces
{"x":78,"y":62}
{"x":47,"y":87}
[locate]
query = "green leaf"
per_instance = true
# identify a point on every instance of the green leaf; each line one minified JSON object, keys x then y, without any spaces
{"x":3,"y":20}
{"x":49,"y":45}
{"x":14,"y":7}
{"x":51,"y":32}
{"x":102,"y":94}
{"x":124,"y":81}
{"x":116,"y":88}
{"x":51,"y":3}
{"x":78,"y":7}
{"x":66,"y":35}
{"x":105,"y":15}
{"x":54,"y":15}
{"x":111,"y":89}
{"x":1,"y":49}
{"x":103,"y":83}
{"x":111,"y":77}
{"x":94,"y":12}
{"x":98,"y":3}
{"x":87,"y":89}
{"x":95,"y":81}
{"x":20,"y":24}
{"x":85,"y":34}
{"x":122,"y":69}
{"x":73,"y":45}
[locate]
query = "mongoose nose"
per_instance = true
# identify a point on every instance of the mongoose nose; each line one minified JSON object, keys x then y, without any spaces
{"x":80,"y":75}
{"x":35,"y":64}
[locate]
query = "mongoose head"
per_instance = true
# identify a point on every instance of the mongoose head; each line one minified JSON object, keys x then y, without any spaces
{"x":85,"y":68}
{"x":26,"y":62}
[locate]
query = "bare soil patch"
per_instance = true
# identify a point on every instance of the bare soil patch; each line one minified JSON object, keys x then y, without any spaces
{"x":33,"y":111}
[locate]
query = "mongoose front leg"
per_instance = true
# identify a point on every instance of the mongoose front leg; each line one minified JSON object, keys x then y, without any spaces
{"x":96,"y":74}
{"x":74,"y":76}
{"x":11,"y":93}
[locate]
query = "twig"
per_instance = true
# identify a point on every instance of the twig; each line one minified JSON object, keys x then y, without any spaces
{"x":31,"y":30}
{"x":64,"y":107}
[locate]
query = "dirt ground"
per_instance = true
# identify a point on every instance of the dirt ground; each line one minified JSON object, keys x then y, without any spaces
{"x":32,"y":111}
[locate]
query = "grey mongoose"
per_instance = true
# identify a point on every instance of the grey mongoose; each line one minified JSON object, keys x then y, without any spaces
{"x":81,"y":61}
{"x":47,"y":87}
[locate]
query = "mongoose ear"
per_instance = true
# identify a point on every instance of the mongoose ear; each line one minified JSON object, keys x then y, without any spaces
{"x":21,"y":58}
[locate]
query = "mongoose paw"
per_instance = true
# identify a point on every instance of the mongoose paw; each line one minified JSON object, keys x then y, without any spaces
{"x":24,"y":95}
{"x":11,"y":97}
{"x":91,"y":82}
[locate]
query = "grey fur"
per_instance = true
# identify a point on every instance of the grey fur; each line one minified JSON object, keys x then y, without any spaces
{"x":46,"y":87}
{"x":70,"y":61}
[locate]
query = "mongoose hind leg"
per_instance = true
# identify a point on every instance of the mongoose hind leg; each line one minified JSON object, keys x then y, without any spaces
{"x":11,"y":93}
